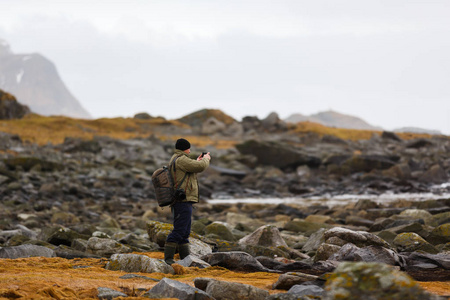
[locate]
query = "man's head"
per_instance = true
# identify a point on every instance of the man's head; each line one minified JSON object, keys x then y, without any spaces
{"x":183,"y":144}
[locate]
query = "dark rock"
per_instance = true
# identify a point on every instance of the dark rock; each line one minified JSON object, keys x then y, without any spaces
{"x":288,"y":280}
{"x":143,"y":116}
{"x":59,"y":235}
{"x":388,"y":135}
{"x":236,"y":261}
{"x":367,"y":163}
{"x":419,"y":143}
{"x":277,"y":154}
{"x":169,"y":288}
{"x":10,"y":108}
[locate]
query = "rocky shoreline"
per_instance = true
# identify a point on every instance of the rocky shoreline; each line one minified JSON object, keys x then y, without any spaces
{"x":94,"y":199}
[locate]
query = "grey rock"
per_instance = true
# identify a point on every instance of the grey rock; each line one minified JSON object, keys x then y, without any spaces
{"x":359,"y":238}
{"x":173,"y":289}
{"x":267,"y":236}
{"x":106,"y":247}
{"x":138,"y":263}
{"x":26,"y":251}
{"x":222,"y":290}
{"x":199,"y":248}
{"x":314,"y":241}
{"x":108,"y":294}
{"x":350,"y":252}
{"x":192,"y":261}
{"x":306,"y":290}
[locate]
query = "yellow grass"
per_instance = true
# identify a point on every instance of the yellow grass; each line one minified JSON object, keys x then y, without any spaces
{"x":346,"y":134}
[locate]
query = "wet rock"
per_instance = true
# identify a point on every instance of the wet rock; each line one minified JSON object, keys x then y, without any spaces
{"x":428,"y":267}
{"x":410,"y":242}
{"x":168,"y":288}
{"x":138,"y":263}
{"x":229,"y":290}
{"x":288,"y":280}
{"x":26,"y":251}
{"x":372,"y":281}
{"x":108,"y":294}
{"x":236,"y":261}
{"x":106,"y":247}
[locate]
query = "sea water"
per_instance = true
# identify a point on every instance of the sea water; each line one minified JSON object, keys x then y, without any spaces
{"x":436,"y":192}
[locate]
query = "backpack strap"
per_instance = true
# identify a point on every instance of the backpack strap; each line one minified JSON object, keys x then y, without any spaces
{"x":172,"y":166}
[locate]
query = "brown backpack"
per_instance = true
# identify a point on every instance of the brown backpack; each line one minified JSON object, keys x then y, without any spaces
{"x":165,"y":191}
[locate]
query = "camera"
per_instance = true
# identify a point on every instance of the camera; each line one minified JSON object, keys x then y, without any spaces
{"x":179,"y":195}
{"x":203,"y":154}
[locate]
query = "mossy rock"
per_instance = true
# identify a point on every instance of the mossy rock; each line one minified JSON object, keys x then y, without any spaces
{"x":198,"y":227}
{"x":440,"y":235}
{"x":28,"y":163}
{"x":158,"y":232}
{"x":360,"y":280}
{"x":17,"y":240}
{"x":410,"y":242}
{"x":442,"y":218}
{"x":219,"y":230}
{"x":306,"y":228}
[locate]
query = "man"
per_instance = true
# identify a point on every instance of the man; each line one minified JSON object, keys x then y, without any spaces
{"x":182,"y":209}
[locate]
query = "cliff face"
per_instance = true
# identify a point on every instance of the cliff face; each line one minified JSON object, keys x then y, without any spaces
{"x":35,"y":82}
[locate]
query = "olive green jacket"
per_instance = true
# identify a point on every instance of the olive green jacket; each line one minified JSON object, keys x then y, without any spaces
{"x":184,"y":164}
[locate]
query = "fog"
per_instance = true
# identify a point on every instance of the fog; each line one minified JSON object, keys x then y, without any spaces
{"x":384,"y":61}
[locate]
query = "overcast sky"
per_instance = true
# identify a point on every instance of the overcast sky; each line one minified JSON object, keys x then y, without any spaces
{"x":387,"y":62}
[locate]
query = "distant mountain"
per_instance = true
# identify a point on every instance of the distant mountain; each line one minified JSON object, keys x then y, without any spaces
{"x":333,"y":119}
{"x":34,"y":81}
{"x":418,"y":130}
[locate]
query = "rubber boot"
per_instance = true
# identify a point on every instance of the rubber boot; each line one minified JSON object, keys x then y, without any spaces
{"x":183,"y":249}
{"x":169,"y":252}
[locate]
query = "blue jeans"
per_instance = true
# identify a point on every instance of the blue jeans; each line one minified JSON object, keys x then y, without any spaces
{"x":182,"y":219}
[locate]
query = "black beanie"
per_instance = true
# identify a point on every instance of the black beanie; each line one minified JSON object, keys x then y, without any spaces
{"x":182,"y":144}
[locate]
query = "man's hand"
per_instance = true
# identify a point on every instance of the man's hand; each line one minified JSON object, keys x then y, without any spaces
{"x":207,"y":155}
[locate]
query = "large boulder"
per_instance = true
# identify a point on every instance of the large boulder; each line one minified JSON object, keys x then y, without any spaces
{"x":10,"y":108}
{"x":277,"y":154}
{"x":168,"y":288}
{"x":222,"y":290}
{"x":138,"y":263}
{"x":361,"y":280}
